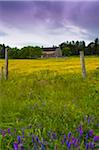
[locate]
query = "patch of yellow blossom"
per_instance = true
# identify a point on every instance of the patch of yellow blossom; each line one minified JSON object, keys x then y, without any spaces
{"x":60,"y":65}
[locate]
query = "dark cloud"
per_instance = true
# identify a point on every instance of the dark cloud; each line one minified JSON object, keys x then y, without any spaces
{"x":81,"y":13}
{"x":26,"y":15}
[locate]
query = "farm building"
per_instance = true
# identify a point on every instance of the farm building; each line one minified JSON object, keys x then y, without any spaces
{"x":51,"y":52}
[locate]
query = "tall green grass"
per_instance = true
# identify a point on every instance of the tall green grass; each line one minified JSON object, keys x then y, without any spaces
{"x":46,"y":99}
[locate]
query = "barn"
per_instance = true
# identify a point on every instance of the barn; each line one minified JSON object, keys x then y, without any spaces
{"x":49,"y":52}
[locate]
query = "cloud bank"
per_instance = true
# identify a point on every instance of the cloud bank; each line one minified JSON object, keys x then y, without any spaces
{"x":48,"y":22}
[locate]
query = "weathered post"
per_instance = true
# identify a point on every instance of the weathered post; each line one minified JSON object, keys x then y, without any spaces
{"x":83,"y":64}
{"x":6,"y":63}
{"x":0,"y":76}
{"x":2,"y":72}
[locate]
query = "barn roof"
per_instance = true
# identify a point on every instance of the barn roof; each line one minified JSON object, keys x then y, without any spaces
{"x":49,"y":48}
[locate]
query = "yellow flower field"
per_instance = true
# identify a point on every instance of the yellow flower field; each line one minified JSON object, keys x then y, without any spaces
{"x":61,"y":65}
{"x":56,"y":101}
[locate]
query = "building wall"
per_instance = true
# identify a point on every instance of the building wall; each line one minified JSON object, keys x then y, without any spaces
{"x":55,"y":53}
{"x":58,"y":52}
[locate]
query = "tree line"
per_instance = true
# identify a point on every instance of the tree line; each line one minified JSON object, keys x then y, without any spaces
{"x":68,"y":49}
{"x":73,"y":48}
{"x":28,"y":52}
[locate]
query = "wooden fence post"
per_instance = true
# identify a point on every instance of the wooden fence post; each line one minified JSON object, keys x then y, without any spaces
{"x":83,"y":64}
{"x":0,"y":75}
{"x":6,"y":64}
{"x":2,"y":72}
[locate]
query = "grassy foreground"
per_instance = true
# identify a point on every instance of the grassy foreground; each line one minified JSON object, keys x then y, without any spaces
{"x":47,"y":99}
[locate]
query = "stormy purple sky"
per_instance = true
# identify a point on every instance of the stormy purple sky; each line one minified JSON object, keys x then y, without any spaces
{"x":48,"y":23}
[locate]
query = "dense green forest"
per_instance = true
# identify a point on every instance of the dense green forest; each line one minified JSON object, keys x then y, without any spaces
{"x":73,"y":48}
{"x":68,"y":49}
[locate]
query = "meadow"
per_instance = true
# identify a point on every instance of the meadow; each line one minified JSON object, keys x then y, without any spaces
{"x":47,"y":105}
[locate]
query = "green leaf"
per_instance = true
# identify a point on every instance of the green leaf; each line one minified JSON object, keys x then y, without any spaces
{"x":0,"y":137}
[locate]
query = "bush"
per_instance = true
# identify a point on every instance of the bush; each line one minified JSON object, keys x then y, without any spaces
{"x":66,"y":51}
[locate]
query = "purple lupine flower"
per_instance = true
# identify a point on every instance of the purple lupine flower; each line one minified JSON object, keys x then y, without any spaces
{"x":0,"y":130}
{"x":87,"y":146}
{"x":22,"y":134}
{"x":44,"y":140}
{"x":89,"y":120}
{"x":80,"y":132}
{"x":37,"y":139}
{"x":96,"y":138}
{"x":54,"y":135}
{"x":64,"y":137}
{"x":76,"y":144}
{"x":87,"y":136}
{"x":91,"y":133}
{"x":42,"y":147}
{"x":73,"y":140}
{"x":69,"y":145}
{"x":33,"y":139}
{"x":9,"y":131}
{"x":21,"y":147}
{"x":85,"y":118}
{"x":67,"y":142}
{"x":14,"y":130}
{"x":78,"y":140}
{"x":19,"y":139}
{"x":91,"y":145}
{"x":80,"y":127}
{"x":15,"y":146}
{"x":62,"y":142}
{"x":22,"y":131}
{"x":3,"y":133}
{"x":69,"y":134}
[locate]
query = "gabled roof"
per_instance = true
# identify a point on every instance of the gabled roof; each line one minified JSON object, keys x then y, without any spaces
{"x":49,"y":48}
